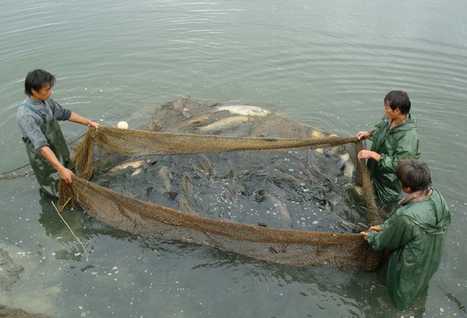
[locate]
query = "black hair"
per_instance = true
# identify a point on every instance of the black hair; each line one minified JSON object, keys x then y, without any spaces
{"x":36,"y":79}
{"x":398,"y":100}
{"x":414,"y":174}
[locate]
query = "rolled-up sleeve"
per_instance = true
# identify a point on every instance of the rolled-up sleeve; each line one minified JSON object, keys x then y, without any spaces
{"x":31,"y":130}
{"x":58,"y":111}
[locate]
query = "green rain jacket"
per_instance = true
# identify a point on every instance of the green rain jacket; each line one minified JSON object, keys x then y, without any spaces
{"x":414,"y":234}
{"x":393,"y":144}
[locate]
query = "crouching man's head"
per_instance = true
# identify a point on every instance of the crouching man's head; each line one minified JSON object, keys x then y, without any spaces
{"x":414,"y":175}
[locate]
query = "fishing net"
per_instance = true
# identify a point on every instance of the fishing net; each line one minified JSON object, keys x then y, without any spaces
{"x":101,"y":148}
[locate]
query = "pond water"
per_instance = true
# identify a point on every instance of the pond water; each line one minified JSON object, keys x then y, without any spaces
{"x":326,"y":63}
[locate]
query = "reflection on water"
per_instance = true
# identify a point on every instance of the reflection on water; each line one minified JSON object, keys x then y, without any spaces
{"x":83,"y":226}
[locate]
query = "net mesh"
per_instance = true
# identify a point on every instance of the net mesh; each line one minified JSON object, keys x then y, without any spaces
{"x":284,"y":246}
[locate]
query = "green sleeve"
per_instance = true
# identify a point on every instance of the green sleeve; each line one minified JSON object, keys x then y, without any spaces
{"x":397,"y":231}
{"x":407,"y":148}
{"x":377,"y":129}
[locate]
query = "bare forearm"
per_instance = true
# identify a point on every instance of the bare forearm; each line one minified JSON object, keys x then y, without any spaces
{"x":76,"y":118}
{"x":49,"y":155}
{"x":367,"y":154}
{"x":64,"y":173}
{"x":82,"y":120}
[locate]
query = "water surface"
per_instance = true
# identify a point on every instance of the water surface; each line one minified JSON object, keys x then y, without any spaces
{"x":328,"y":63}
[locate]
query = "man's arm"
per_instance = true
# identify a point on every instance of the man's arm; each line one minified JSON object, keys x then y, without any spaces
{"x":65,"y":173}
{"x":396,"y":232}
{"x":61,"y":113}
{"x":362,"y":135}
{"x":407,"y":148}
{"x":368,"y":154}
{"x":76,"y":118}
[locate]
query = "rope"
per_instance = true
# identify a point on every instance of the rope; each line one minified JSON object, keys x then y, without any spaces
{"x":71,"y":231}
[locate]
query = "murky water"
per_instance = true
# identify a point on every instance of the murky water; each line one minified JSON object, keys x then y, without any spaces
{"x":328,"y":64}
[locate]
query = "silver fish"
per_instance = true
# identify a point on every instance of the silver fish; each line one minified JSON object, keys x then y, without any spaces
{"x":134,"y":164}
{"x":224,"y":123}
{"x":346,"y":165}
{"x":166,"y":179}
{"x":245,"y":110}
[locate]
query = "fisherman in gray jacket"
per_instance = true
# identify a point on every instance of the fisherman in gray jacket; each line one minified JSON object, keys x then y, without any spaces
{"x":38,"y":117}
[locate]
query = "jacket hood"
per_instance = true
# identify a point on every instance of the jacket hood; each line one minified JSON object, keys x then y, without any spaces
{"x":438,"y":222}
{"x":409,"y":124}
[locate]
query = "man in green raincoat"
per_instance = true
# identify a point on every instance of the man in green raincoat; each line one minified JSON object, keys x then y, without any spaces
{"x":37,"y":117}
{"x":413,"y":234}
{"x":393,"y":139}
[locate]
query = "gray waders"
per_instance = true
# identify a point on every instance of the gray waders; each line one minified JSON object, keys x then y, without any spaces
{"x":46,"y":175}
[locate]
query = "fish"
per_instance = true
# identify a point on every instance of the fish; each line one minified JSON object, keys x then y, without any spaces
{"x":187,"y":186}
{"x":184,"y":204}
{"x":205,"y":166}
{"x":136,"y":172}
{"x":197,"y":121}
{"x":333,"y":151}
{"x":346,"y":165}
{"x":245,"y":110}
{"x":186,"y":113}
{"x":224,"y":123}
{"x":316,"y":134}
{"x":184,"y":201}
{"x":281,"y":208}
{"x":134,"y":164}
{"x":166,"y":178}
{"x":280,"y":177}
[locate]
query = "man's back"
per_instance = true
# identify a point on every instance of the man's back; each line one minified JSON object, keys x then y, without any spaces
{"x":414,"y":234}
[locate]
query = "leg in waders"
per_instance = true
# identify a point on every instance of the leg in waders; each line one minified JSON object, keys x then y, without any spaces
{"x":46,"y":175}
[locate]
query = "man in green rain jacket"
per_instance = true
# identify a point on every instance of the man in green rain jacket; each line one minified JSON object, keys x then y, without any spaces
{"x":413,"y":234}
{"x":37,"y":118}
{"x":394,"y":138}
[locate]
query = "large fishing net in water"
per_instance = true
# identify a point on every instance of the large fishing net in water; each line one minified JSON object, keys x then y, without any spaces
{"x":234,"y":177}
